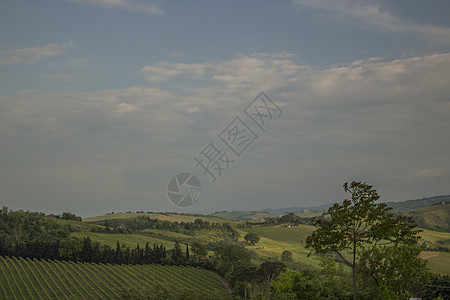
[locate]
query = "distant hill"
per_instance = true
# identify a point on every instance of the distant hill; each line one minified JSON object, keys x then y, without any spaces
{"x":297,"y":209}
{"x":419,"y":203}
{"x":313,"y":211}
{"x":244,"y":215}
{"x":435,"y":217}
{"x":261,"y":215}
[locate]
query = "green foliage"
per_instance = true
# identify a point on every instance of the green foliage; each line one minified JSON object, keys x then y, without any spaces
{"x":30,"y":234}
{"x":228,"y":259}
{"x":177,"y":254}
{"x":286,"y":256}
{"x":199,"y":251}
{"x":393,"y":271}
{"x":329,"y":283}
{"x":359,"y":223}
{"x":70,"y":249}
{"x":136,"y":223}
{"x":283,"y":287}
{"x":70,"y":216}
{"x":437,"y":288}
{"x":251,"y":238}
{"x":269,"y":271}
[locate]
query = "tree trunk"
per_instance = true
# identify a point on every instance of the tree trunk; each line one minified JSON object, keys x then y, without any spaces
{"x":245,"y":290}
{"x":253,"y":291}
{"x":354,"y":266}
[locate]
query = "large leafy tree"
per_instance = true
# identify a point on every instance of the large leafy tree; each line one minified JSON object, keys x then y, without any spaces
{"x":251,"y":238}
{"x":269,"y":270}
{"x":357,"y":224}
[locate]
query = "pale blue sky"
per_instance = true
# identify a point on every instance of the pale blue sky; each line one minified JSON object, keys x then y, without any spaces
{"x":102,"y":101}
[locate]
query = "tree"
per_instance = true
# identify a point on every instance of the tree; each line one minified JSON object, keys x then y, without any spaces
{"x":270,"y":270}
{"x":357,"y":224}
{"x":244,"y":273}
{"x":177,"y":255}
{"x":70,"y":249}
{"x":251,"y":238}
{"x":395,"y":270}
{"x":286,"y":256}
{"x":118,"y":255}
{"x":199,"y":250}
{"x":70,"y":216}
{"x":86,"y":254}
{"x":313,"y":285}
{"x":228,"y":257}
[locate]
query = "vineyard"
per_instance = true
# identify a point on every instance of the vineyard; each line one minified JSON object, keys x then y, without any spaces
{"x":33,"y":279}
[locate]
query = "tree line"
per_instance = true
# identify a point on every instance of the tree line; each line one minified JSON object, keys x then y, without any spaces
{"x":33,"y":235}
{"x":145,"y":222}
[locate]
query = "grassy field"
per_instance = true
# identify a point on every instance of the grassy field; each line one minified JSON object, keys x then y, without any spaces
{"x":439,"y":263}
{"x":274,"y":240}
{"x":282,"y":233}
{"x":435,"y":238}
{"x":32,"y":279}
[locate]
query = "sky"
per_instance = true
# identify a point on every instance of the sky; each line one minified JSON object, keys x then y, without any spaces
{"x":102,"y":102}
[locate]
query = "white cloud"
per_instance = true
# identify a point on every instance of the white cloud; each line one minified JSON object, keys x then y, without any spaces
{"x":398,"y":77}
{"x":125,"y":107}
{"x":260,"y":70}
{"x":130,"y":5}
{"x":31,"y":55}
{"x":374,"y":16}
{"x":163,"y":71}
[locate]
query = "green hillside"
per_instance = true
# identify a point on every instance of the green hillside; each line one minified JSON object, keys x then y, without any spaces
{"x":32,"y":279}
{"x":435,"y":217}
{"x":274,"y":239}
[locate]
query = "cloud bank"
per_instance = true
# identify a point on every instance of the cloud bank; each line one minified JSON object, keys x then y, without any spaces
{"x":384,"y":122}
{"x":32,"y":55}
{"x":129,"y":5}
{"x":374,"y":16}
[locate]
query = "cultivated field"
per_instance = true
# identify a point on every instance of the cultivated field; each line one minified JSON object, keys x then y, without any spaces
{"x":32,"y":279}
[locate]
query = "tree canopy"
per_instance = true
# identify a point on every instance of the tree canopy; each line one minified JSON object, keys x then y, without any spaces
{"x":357,"y":224}
{"x":251,"y":238}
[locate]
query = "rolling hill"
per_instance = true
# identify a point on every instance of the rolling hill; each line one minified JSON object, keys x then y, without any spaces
{"x":435,"y":217}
